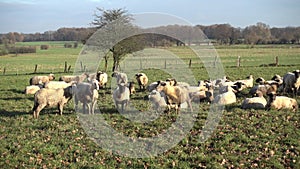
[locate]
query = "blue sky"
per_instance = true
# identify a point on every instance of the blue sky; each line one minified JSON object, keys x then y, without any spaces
{"x":30,"y":16}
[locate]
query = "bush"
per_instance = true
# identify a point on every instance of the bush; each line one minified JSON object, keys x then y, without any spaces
{"x":3,"y":51}
{"x":68,"y":45}
{"x":22,"y":49}
{"x":44,"y":47}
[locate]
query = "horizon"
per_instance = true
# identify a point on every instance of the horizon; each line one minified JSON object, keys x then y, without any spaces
{"x":33,"y":16}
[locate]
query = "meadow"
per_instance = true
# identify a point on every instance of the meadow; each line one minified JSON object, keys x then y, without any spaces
{"x":242,"y":139}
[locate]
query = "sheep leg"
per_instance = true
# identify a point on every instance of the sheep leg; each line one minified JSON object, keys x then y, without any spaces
{"x":60,"y":108}
{"x":190,"y":105}
{"x":84,"y":107}
{"x":93,"y":107}
{"x":88,"y":107}
{"x":37,"y":110}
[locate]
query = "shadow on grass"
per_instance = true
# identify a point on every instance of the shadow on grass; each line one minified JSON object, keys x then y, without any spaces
{"x":5,"y":113}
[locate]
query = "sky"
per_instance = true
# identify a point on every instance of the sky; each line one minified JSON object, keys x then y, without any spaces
{"x":31,"y":16}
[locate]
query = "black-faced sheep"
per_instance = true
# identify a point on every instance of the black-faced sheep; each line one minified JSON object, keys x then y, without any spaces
{"x":142,"y":80}
{"x":51,"y":97}
{"x":258,"y":102}
{"x":248,"y":82}
{"x":281,"y":102}
{"x":102,"y":77}
{"x":175,"y":94}
{"x":264,"y":89}
{"x":121,"y":95}
{"x":152,"y":86}
{"x":87,"y":93}
{"x":36,"y":80}
{"x":291,"y":82}
{"x":226,"y":98}
{"x":70,"y":78}
{"x":121,"y":77}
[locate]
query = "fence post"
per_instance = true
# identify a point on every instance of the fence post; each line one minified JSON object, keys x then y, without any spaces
{"x":81,"y":66}
{"x":69,"y":68}
{"x":35,"y":68}
{"x":66,"y":65}
{"x":4,"y":71}
{"x":165,"y":63}
{"x":238,"y":61}
{"x":276,"y":61}
{"x":190,"y":63}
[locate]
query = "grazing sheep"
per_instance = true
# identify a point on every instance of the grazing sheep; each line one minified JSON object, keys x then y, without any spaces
{"x":248,"y":82}
{"x":102,"y":77}
{"x":158,"y":100}
{"x":70,"y":78}
{"x":121,"y":77}
{"x":142,"y":80}
{"x":175,"y":95}
{"x":36,"y":80}
{"x":121,"y":95}
{"x":226,"y":98}
{"x":258,"y":102}
{"x":58,"y":84}
{"x":32,"y":89}
{"x":86,"y":93}
{"x":281,"y":102}
{"x":152,"y":86}
{"x":291,"y":82}
{"x":51,"y":97}
{"x":131,"y":87}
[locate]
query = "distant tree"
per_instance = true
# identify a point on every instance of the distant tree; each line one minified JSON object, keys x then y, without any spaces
{"x":257,"y":34}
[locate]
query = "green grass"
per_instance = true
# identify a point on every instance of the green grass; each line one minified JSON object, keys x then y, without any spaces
{"x":243,"y":138}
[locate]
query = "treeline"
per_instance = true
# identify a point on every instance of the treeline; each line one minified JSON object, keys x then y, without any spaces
{"x":260,"y":33}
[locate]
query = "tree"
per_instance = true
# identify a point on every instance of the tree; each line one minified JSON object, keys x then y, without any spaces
{"x":116,"y":21}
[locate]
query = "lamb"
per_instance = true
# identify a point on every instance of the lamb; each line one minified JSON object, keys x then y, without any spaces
{"x":121,"y":95}
{"x":158,"y":100}
{"x":69,"y":78}
{"x":86,"y":93}
{"x":291,"y":82}
{"x":248,"y":82}
{"x":142,"y":80}
{"x":258,"y":102}
{"x":131,"y":87}
{"x":175,"y":95}
{"x":226,"y":98}
{"x":281,"y":102}
{"x":32,"y":89}
{"x":121,"y":77}
{"x":58,"y":84}
{"x":36,"y":80}
{"x":51,"y":97}
{"x":102,"y":77}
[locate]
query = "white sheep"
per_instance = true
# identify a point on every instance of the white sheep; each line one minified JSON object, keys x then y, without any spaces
{"x":51,"y":97}
{"x":58,"y":84}
{"x":142,"y":80}
{"x":102,"y":77}
{"x":32,"y":89}
{"x":121,"y":95}
{"x":248,"y":82}
{"x":158,"y":100}
{"x":226,"y":98}
{"x":281,"y":102}
{"x":121,"y":77}
{"x":36,"y":80}
{"x":291,"y":82}
{"x":86,"y":93}
{"x":258,"y":102}
{"x":77,"y":78}
{"x":175,"y":95}
{"x":201,"y":96}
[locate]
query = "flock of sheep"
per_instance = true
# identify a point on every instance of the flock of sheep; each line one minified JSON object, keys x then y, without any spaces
{"x":164,"y":95}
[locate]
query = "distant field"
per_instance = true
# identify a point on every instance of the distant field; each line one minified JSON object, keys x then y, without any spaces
{"x":243,"y":139}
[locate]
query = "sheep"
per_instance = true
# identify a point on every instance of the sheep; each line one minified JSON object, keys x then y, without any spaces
{"x":158,"y":99}
{"x":175,"y":95}
{"x":281,"y":102}
{"x":275,"y":79}
{"x":173,"y":82}
{"x":69,"y":78}
{"x":102,"y":77}
{"x":58,"y":84}
{"x":226,"y":98}
{"x":201,"y":96}
{"x":131,"y":87}
{"x":291,"y":82}
{"x":152,"y":86}
{"x":121,"y":77}
{"x":248,"y":82}
{"x":121,"y":95}
{"x":258,"y":102}
{"x":51,"y":97}
{"x":36,"y":80}
{"x":142,"y":80}
{"x":86,"y":92}
{"x":32,"y":89}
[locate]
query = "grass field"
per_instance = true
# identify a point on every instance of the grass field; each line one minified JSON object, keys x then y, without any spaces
{"x":243,"y":138}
